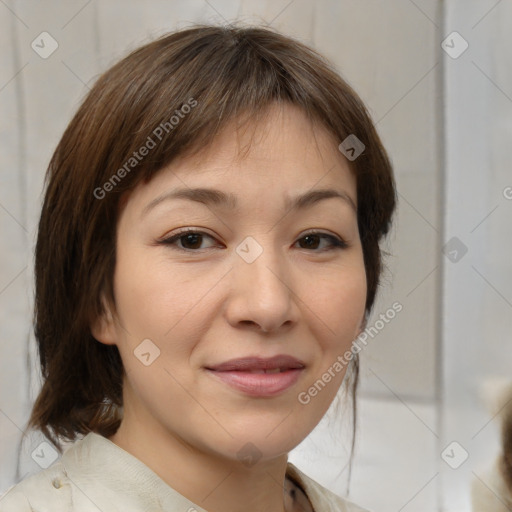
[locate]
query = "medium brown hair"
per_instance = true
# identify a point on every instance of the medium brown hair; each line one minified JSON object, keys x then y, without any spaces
{"x":220,"y":73}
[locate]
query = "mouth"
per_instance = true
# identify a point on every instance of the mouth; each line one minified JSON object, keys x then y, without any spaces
{"x":259,"y":377}
{"x":256,"y":364}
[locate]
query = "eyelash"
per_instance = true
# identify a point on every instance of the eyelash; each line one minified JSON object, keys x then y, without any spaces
{"x":335,"y":242}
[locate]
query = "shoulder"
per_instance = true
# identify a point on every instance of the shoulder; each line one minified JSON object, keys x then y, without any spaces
{"x":322,"y":499}
{"x":46,"y":491}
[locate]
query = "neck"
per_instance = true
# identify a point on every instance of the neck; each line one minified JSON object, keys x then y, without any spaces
{"x":208,"y":480}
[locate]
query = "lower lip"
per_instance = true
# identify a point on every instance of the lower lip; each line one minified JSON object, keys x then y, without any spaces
{"x":259,"y":384}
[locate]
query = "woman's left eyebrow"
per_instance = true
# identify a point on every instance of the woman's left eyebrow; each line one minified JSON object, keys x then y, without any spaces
{"x":216,"y":197}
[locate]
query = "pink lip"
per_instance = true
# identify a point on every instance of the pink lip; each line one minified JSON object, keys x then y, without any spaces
{"x":239,"y":374}
{"x":281,"y":361}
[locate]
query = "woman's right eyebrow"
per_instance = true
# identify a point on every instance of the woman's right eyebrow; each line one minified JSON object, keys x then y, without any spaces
{"x":216,"y":197}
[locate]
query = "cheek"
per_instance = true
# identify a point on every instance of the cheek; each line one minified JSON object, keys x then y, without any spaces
{"x":154,"y":297}
{"x":339,"y":306}
{"x":167,"y":304}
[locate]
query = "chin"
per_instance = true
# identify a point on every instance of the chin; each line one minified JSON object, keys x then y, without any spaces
{"x":259,"y":443}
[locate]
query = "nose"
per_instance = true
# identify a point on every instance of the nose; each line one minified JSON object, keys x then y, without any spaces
{"x":262,"y":294}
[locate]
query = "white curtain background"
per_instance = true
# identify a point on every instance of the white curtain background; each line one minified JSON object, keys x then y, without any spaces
{"x":444,"y":112}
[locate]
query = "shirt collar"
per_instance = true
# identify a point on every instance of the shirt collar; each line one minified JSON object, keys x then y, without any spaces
{"x":105,"y":472}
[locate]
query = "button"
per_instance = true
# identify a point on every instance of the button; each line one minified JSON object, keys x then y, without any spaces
{"x":56,"y":483}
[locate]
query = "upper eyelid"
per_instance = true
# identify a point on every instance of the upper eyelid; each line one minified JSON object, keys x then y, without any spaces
{"x":184,"y":231}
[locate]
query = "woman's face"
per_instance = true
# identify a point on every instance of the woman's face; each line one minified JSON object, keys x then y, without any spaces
{"x":248,"y":283}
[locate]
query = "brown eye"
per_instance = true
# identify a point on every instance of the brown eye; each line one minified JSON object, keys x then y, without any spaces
{"x":189,"y":239}
{"x":312,"y":240}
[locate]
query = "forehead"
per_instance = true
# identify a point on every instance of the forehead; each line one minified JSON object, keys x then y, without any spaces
{"x":281,"y":154}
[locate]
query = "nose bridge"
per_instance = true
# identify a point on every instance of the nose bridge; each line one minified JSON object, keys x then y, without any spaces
{"x":261,"y":283}
{"x":262,"y":264}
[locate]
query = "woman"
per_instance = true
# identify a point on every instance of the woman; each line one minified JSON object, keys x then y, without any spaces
{"x":208,"y":251}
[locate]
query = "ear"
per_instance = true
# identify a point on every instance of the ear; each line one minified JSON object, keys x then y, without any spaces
{"x":103,"y":328}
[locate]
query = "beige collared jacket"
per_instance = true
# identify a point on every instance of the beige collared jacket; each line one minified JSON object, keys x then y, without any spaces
{"x":96,"y":475}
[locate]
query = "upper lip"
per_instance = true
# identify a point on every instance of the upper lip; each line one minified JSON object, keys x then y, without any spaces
{"x":283,"y":362}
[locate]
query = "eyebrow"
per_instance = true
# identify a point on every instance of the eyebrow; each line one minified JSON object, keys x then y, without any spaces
{"x":215,"y":197}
